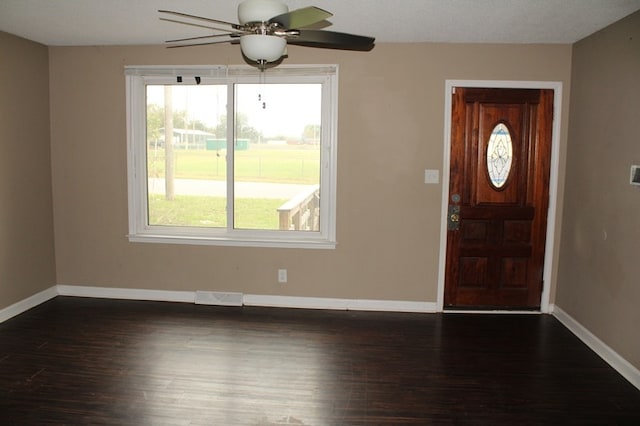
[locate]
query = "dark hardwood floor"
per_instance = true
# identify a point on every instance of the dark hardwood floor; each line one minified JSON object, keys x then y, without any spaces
{"x":76,"y":361}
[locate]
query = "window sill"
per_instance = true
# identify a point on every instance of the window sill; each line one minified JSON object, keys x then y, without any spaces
{"x":234,"y":242}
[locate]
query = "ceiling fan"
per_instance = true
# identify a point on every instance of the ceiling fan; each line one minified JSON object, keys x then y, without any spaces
{"x":264,"y":29}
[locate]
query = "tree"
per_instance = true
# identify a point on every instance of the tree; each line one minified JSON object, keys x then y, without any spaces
{"x":311,"y":133}
{"x":169,"y":163}
{"x":244,"y":130}
{"x":155,"y":122}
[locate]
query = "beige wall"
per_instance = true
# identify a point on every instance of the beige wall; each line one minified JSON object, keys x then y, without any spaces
{"x":27,"y":263}
{"x":391,"y":115}
{"x":599,"y":277}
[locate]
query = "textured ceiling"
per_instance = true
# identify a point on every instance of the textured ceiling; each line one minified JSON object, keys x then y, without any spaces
{"x":123,"y":22}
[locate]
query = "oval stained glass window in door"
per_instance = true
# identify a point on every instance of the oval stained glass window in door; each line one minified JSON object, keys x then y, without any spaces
{"x":499,"y":155}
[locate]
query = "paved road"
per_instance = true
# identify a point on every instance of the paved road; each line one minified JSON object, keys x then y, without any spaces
{"x":218,"y":188}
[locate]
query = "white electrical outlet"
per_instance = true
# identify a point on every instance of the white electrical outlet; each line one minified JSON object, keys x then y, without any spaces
{"x":282,"y":275}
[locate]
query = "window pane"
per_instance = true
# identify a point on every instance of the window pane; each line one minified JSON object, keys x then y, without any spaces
{"x":277,"y":156}
{"x":499,"y":155}
{"x":186,"y":155}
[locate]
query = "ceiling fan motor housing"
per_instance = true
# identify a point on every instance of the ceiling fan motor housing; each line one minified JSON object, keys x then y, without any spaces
{"x":260,"y":10}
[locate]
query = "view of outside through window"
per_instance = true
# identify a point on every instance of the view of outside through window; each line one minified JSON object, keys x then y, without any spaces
{"x":276,"y":156}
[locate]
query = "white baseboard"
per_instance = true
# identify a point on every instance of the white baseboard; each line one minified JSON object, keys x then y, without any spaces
{"x":496,"y":312}
{"x":192,"y":297}
{"x":621,"y":365}
{"x":338,"y":304}
{"x":28,"y":303}
{"x":251,"y":299}
{"x":127,"y":293}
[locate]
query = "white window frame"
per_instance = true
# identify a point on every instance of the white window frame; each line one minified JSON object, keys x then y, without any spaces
{"x":138,"y":77}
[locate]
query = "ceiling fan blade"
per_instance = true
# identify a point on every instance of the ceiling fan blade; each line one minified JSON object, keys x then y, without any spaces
{"x":201,"y":18}
{"x":232,"y":41}
{"x":193,"y":24}
{"x":179,"y":40}
{"x":331,"y":40}
{"x":301,"y":18}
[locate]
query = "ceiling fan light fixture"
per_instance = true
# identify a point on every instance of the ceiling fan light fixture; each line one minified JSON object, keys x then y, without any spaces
{"x":263,"y":48}
{"x":260,"y":10}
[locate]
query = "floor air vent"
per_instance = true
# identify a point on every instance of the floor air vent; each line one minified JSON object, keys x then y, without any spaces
{"x":218,"y":298}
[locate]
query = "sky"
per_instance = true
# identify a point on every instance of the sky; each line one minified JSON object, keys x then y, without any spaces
{"x":273,"y":109}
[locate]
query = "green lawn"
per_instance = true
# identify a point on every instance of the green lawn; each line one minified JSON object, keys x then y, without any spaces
{"x":210,"y":212}
{"x":282,"y":164}
{"x":298,"y":164}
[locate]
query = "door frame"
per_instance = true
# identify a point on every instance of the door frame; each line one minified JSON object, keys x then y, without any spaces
{"x":556,"y":86}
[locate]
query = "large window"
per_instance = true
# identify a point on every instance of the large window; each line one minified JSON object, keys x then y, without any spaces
{"x":223,"y":155}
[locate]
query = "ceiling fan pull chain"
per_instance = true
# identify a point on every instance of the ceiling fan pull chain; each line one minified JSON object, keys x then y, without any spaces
{"x":261,"y":82}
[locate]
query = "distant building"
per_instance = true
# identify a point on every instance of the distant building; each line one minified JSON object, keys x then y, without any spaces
{"x":187,"y":138}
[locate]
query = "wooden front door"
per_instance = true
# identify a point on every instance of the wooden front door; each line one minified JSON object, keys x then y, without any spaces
{"x":498,"y":197}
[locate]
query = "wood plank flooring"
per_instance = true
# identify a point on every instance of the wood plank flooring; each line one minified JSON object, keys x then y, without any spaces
{"x":76,"y":361}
